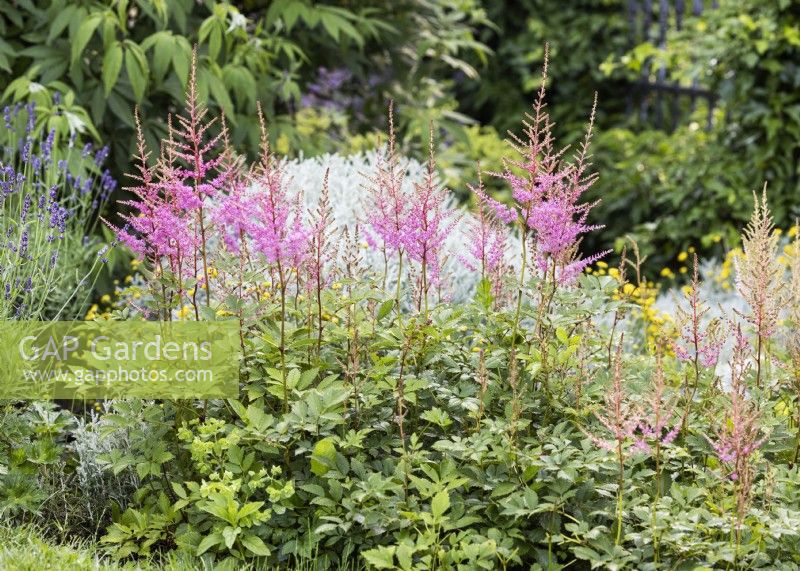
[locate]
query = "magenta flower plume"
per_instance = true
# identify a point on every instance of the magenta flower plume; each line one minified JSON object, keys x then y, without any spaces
{"x":547,"y":193}
{"x":487,"y":237}
{"x":388,"y":207}
{"x":195,"y":151}
{"x":429,"y":222}
{"x":168,"y":225}
{"x":158,"y":229}
{"x":275,"y":219}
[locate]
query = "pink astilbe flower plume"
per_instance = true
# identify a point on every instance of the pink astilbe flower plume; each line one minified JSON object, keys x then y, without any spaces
{"x":487,"y":237}
{"x":275,"y":222}
{"x":737,"y":436}
{"x":196,"y":149}
{"x":619,"y":417}
{"x":547,"y":190}
{"x":158,"y":229}
{"x":430,"y":220}
{"x":169,"y":225}
{"x":388,"y":207}
{"x":487,"y":240}
{"x":698,"y":342}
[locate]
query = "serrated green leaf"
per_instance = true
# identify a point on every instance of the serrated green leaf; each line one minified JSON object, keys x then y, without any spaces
{"x":440,"y":504}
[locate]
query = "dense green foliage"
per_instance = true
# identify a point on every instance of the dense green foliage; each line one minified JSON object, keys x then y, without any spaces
{"x":746,"y":53}
{"x":106,"y":57}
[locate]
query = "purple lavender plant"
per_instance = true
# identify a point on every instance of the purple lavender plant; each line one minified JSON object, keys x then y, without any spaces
{"x":50,"y":198}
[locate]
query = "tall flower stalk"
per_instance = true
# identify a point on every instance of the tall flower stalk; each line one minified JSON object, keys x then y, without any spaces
{"x":621,"y":420}
{"x":428,"y":224}
{"x":546,"y":192}
{"x":699,"y":342}
{"x":737,"y":437}
{"x":758,"y":276}
{"x":388,"y":207}
{"x":322,"y":253}
{"x":275,"y":226}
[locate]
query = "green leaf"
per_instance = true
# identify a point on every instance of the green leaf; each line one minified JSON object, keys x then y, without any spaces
{"x":83,"y":35}
{"x":208,"y":542}
{"x":181,"y":60}
{"x":249,"y":509}
{"x":255,"y":545}
{"x":136,"y":66}
{"x":61,"y":21}
{"x":179,"y":490}
{"x":381,"y":558}
{"x":112,"y":64}
{"x":230,"y":534}
{"x":385,"y":308}
{"x":440,"y":504}
{"x":324,"y":453}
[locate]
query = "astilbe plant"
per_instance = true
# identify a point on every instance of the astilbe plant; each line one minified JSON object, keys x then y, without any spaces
{"x":546,"y":208}
{"x":657,"y":428}
{"x":738,"y":435}
{"x":430,"y":220}
{"x":699,"y":338}
{"x":621,"y":419}
{"x":51,"y":193}
{"x":487,"y":240}
{"x":758,"y":277}
{"x":388,"y":205}
{"x":169,"y":222}
{"x":321,"y":261}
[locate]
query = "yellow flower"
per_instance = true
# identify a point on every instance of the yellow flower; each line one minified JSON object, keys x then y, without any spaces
{"x":628,"y":289}
{"x":128,"y":279}
{"x":691,"y":249}
{"x":184,"y":312}
{"x":792,"y":232}
{"x":667,"y":273}
{"x":683,"y":269}
{"x":602,"y":264}
{"x":212,"y":272}
{"x":613,"y":272}
{"x":92,"y":313}
{"x":336,"y":286}
{"x":105,"y":299}
{"x":682,"y":257}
